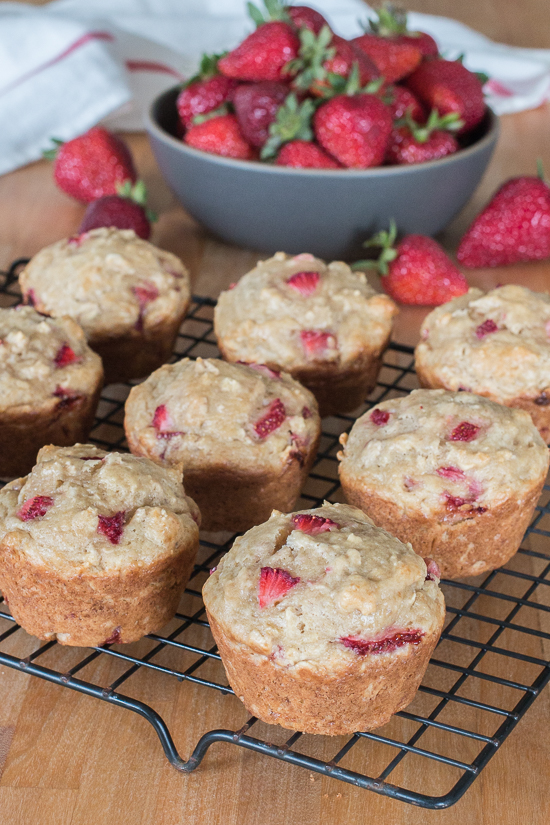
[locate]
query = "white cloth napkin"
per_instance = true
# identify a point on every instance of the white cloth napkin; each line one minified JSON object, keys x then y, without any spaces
{"x":68,"y":65}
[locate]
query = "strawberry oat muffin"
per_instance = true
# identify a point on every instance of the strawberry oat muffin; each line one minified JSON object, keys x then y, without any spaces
{"x":128,"y":296}
{"x":50,"y":382}
{"x":454,"y":474}
{"x":324,"y":622}
{"x":95,"y":547}
{"x":496,"y":344}
{"x":321,"y":323}
{"x":246,"y":436}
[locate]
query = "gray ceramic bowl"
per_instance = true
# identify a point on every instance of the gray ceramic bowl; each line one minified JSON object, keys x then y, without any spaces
{"x":326,"y":212}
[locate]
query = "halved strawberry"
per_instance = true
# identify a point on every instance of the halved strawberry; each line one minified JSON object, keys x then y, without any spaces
{"x":384,"y":644}
{"x":112,"y":527}
{"x":304,"y":282}
{"x":316,"y":342}
{"x":272,"y":420}
{"x":274,"y":585}
{"x":35,"y":507}
{"x":65,"y":355}
{"x":313,"y":525}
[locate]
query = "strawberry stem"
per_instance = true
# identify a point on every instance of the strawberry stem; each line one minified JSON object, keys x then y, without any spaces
{"x":385,"y":240}
{"x":51,"y":154}
{"x":292,"y":122}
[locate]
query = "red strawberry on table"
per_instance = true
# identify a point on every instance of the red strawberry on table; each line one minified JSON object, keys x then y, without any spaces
{"x":412,"y":142}
{"x":273,"y":586}
{"x":355,"y":129}
{"x":416,"y":271}
{"x":220,"y":135}
{"x":513,"y":227}
{"x":256,"y":106}
{"x":302,"y":154}
{"x":126,"y":210}
{"x":448,"y":86}
{"x":264,"y":54}
{"x":205,"y":91}
{"x":91,"y":165}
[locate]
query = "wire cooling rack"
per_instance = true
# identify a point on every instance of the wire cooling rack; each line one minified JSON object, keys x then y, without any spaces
{"x":487,"y":670}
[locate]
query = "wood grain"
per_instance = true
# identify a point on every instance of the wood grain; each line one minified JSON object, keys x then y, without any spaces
{"x":66,"y":759}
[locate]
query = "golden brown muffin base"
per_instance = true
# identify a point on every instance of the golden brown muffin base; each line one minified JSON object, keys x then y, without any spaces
{"x":538,"y":407}
{"x":90,"y":609}
{"x":59,"y":421}
{"x":137,"y":354}
{"x":230,"y":499}
{"x":461,"y":546}
{"x":361,"y":697}
{"x":336,"y":389}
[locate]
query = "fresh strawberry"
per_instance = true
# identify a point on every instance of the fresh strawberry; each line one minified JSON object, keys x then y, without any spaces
{"x":305,"y":283}
{"x":272,"y":419}
{"x":112,"y":527}
{"x":305,"y":18}
{"x":256,"y":106}
{"x":465,"y":431}
{"x":317,"y":342}
{"x":65,"y":356}
{"x":205,"y":91}
{"x":313,"y":525}
{"x":301,"y":154}
{"x":220,"y":135}
{"x":393,"y":58}
{"x":91,"y":165}
{"x":402,"y":102}
{"x":448,"y":86}
{"x":35,"y":507}
{"x":513,"y":227}
{"x":324,"y":59}
{"x":412,"y":142}
{"x":380,"y":417}
{"x":355,"y":129}
{"x":392,"y":23}
{"x":126,"y":210}
{"x":416,"y":271}
{"x":292,"y":123}
{"x":263,"y":55}
{"x":273,"y":586}
{"x":383,"y":644}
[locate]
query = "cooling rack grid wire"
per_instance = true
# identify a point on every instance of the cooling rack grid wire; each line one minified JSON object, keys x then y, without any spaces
{"x":487,"y":670}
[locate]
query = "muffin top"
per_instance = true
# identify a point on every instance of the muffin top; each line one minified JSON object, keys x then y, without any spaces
{"x":437,"y":451}
{"x":81,"y":509}
{"x":297,"y":311}
{"x":495,"y":343}
{"x":108,"y":280}
{"x":210,"y":412}
{"x":321,"y":587}
{"x":43,"y":361}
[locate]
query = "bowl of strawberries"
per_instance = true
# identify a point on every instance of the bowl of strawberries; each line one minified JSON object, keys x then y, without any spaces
{"x":299,"y":140}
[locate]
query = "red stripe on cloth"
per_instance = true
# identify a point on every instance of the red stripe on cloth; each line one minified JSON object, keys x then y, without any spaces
{"x":82,"y":41}
{"x":150,"y":66}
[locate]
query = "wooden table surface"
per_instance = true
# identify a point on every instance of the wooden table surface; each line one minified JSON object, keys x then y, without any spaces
{"x":66,"y":758}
